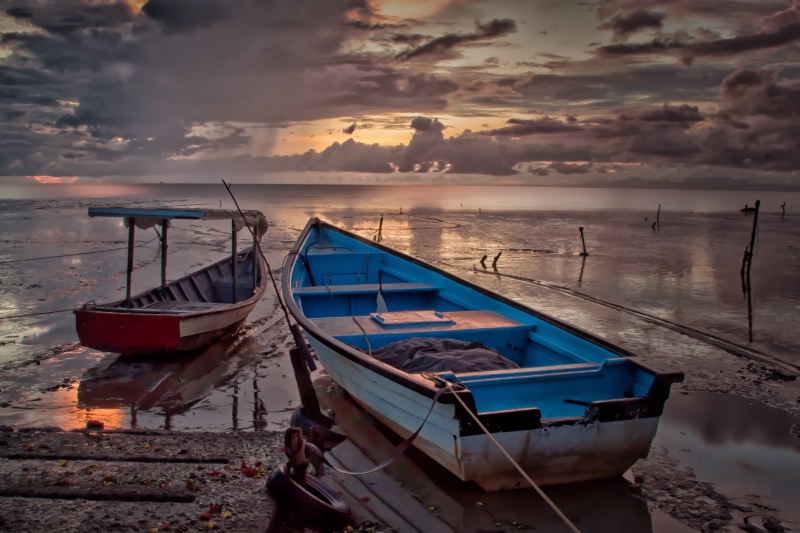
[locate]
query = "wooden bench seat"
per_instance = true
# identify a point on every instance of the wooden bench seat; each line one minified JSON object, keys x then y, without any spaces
{"x":169,"y":305}
{"x":364,"y":288}
{"x":461,"y":320}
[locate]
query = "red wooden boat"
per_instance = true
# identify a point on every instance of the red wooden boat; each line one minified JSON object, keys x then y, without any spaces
{"x":186,"y":314}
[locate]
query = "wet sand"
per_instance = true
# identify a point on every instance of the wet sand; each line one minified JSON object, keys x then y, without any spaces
{"x":727,"y":452}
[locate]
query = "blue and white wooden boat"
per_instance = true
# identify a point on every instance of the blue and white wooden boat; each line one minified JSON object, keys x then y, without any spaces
{"x":566,"y":405}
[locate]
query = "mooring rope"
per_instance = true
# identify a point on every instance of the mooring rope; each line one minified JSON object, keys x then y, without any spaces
{"x":40,"y":313}
{"x":399,"y":450}
{"x":79,"y":253}
{"x":552,"y":505}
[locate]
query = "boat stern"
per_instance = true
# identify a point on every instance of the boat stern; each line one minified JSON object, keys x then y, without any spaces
{"x":128,"y":333}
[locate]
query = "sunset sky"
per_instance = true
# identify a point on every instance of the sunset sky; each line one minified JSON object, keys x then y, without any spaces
{"x":697,"y":92}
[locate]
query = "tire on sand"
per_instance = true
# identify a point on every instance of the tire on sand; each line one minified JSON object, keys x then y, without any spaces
{"x":313,"y":501}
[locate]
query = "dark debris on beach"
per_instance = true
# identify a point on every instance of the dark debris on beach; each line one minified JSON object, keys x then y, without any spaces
{"x":153,"y":481}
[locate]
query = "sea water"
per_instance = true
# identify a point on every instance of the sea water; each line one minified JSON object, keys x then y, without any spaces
{"x":658,"y":271}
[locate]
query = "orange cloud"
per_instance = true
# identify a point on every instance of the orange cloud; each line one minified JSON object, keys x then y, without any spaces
{"x":54,"y":179}
{"x":136,"y":5}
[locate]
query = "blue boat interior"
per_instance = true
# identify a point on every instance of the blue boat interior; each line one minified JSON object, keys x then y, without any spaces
{"x":338,"y":282}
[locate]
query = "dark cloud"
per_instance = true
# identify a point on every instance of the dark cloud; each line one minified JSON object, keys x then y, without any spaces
{"x":721,"y":47}
{"x":186,"y":15}
{"x":601,"y":88}
{"x":626,"y":24}
{"x":426,"y":125}
{"x":667,"y":142}
{"x":570,"y":168}
{"x":349,"y":156}
{"x":206,"y":86}
{"x":83,"y":117}
{"x":407,"y":38}
{"x":522,"y":127}
{"x":783,"y":18}
{"x":383,"y":87}
{"x":140,"y":83}
{"x":373,"y":26}
{"x":668,"y":113}
{"x":67,"y":17}
{"x":736,"y":10}
{"x":442,"y":45}
{"x":758,"y":92}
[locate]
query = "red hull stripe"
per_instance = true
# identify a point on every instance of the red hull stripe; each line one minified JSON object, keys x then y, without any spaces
{"x":128,"y":333}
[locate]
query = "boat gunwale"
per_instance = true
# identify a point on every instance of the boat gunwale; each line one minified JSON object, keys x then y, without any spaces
{"x":258,"y":292}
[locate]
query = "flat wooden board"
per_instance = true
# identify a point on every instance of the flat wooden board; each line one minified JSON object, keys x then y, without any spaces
{"x":407,"y":319}
{"x":460,"y":320}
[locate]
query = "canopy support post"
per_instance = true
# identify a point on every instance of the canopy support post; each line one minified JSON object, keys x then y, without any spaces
{"x":164,"y":227}
{"x":131,"y":226}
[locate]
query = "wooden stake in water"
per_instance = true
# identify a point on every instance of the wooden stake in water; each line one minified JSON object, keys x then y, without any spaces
{"x":657,"y":224}
{"x":483,"y":261}
{"x":585,"y":253}
{"x":380,"y":230}
{"x":752,"y":240}
{"x":747,"y":275}
{"x":494,"y":263}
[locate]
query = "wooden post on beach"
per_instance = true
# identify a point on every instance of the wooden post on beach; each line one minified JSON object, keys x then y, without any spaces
{"x":483,"y":261}
{"x":585,"y":253}
{"x":380,"y":230}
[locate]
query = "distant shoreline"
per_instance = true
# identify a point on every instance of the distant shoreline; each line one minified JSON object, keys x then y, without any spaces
{"x":635,"y":184}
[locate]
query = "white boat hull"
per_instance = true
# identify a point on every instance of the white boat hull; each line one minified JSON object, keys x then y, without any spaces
{"x":549,"y":455}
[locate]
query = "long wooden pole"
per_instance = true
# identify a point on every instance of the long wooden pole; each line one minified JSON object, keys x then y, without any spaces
{"x":307,"y":393}
{"x":129,"y":272}
{"x":234,"y":245}
{"x":255,"y":261}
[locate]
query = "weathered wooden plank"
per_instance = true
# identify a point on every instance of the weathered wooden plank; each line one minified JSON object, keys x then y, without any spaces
{"x":22,"y":456}
{"x":110,"y":494}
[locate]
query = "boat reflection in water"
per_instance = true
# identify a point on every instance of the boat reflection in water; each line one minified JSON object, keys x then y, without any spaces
{"x":416,"y":494}
{"x":172,"y":385}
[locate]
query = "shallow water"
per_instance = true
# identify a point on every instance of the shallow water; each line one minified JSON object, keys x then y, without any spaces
{"x":673,"y":294}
